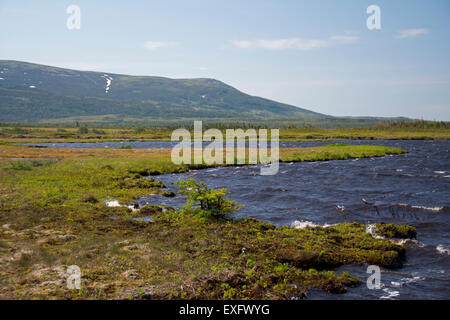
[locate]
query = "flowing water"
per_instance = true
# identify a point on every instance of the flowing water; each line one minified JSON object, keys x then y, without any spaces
{"x":404,"y":189}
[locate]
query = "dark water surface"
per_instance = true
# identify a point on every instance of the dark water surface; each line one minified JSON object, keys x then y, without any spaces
{"x":405,"y":189}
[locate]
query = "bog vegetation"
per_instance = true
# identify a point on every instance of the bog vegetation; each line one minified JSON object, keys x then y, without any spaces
{"x":289,"y":131}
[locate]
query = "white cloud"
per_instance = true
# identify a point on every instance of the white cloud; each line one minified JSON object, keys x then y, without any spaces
{"x":295,"y":43}
{"x":411,"y":33}
{"x":152,"y":45}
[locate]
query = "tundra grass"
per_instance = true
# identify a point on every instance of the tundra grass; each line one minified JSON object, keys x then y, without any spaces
{"x":42,"y":134}
{"x":53,"y":214}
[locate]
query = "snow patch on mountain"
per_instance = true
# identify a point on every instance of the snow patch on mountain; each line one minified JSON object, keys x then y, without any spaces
{"x":108,"y":79}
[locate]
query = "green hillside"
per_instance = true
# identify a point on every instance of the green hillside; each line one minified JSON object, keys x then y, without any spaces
{"x":37,"y":93}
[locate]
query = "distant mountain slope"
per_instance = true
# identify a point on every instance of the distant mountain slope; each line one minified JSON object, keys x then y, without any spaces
{"x":32,"y":92}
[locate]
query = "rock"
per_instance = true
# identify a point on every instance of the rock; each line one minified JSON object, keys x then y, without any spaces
{"x":333,"y":287}
{"x":147,"y":293}
{"x":53,"y":284}
{"x":47,"y":277}
{"x":66,"y":237}
{"x":23,"y":253}
{"x":44,"y":241}
{"x":54,"y":240}
{"x":131,"y":274}
{"x":134,"y":247}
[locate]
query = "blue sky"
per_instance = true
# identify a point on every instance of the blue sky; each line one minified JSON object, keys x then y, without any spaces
{"x":313,"y":54}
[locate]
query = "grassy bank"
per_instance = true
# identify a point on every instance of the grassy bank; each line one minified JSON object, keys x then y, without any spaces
{"x":53,"y":215}
{"x":398,"y":130}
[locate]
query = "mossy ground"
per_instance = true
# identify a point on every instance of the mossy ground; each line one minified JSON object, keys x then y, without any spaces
{"x":53,"y":215}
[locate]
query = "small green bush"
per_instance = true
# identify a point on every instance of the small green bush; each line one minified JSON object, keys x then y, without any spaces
{"x":19,"y":165}
{"x":90,"y":199}
{"x":28,"y":165}
{"x":209,"y":203}
{"x":83,"y":130}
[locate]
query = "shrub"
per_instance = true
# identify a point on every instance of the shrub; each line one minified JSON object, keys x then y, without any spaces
{"x":209,"y":203}
{"x":20,"y":165}
{"x":83,"y":130}
{"x":90,"y":199}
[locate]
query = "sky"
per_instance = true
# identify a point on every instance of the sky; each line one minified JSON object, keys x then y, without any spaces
{"x":319,"y":55}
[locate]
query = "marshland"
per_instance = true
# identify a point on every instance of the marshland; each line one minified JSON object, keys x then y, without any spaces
{"x":56,"y":211}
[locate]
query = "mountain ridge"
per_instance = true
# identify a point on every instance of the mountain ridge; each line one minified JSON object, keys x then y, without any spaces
{"x":34,"y":93}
